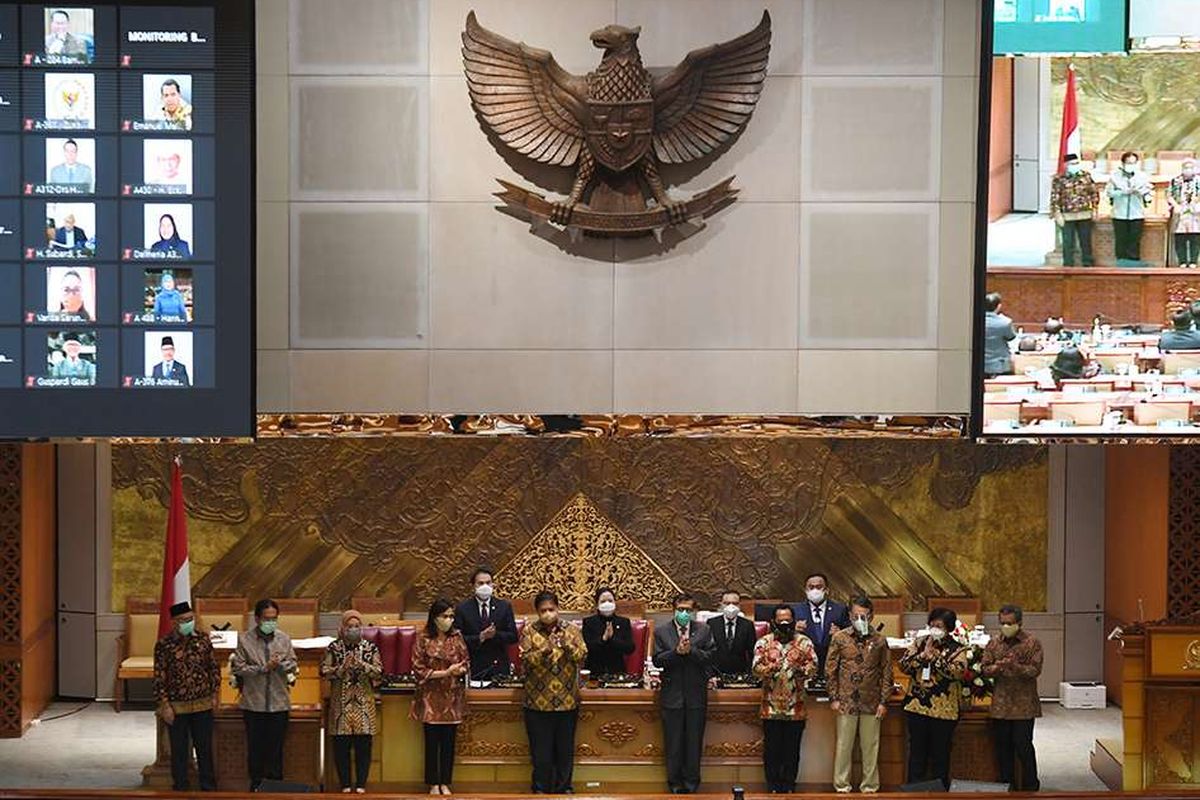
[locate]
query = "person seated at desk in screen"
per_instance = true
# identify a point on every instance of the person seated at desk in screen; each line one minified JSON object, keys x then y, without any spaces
{"x":60,"y":41}
{"x":169,"y":368}
{"x":174,"y":108}
{"x":1072,"y":363}
{"x":73,"y":366}
{"x":488,"y":625}
{"x":70,"y":172}
{"x":1074,"y":200}
{"x":168,"y":238}
{"x":1183,"y":335}
{"x":609,"y":637}
{"x":168,"y":301}
{"x":998,"y":331}
{"x":733,"y":635}
{"x":1054,"y":330}
{"x":69,"y":236}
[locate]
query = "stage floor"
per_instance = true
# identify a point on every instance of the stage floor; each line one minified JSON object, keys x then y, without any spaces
{"x":99,"y":749}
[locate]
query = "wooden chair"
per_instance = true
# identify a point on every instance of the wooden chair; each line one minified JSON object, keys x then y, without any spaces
{"x":135,"y":647}
{"x":1077,"y":412}
{"x":1151,"y":412}
{"x":890,"y":612}
{"x":633,"y":609}
{"x":1174,"y":363}
{"x":968,"y":609}
{"x":298,"y":616}
{"x":221,"y":613}
{"x":378,"y":610}
{"x":522,"y":607}
{"x":1023,"y":362}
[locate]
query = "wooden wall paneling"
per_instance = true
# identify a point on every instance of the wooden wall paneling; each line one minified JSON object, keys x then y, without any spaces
{"x":38,"y":570}
{"x":10,"y":590}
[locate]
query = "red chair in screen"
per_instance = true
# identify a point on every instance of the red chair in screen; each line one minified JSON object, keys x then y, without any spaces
{"x":514,"y":649}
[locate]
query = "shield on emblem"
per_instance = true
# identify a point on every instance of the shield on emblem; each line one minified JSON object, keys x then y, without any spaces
{"x":620,"y":133}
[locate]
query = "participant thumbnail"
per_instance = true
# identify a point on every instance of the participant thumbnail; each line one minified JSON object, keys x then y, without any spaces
{"x":167,"y":354}
{"x":70,"y":359}
{"x":69,"y":164}
{"x":166,"y":166}
{"x":167,"y":102}
{"x":70,"y":101}
{"x":168,"y":295}
{"x":67,"y":230}
{"x":70,"y":295}
{"x":70,"y":37}
{"x":168,"y":229}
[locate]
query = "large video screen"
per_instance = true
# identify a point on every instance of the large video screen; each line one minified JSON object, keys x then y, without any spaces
{"x":126,"y":219}
{"x":1023,"y":27}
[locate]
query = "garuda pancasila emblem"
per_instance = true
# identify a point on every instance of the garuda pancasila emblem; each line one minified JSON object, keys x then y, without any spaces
{"x":616,"y":124}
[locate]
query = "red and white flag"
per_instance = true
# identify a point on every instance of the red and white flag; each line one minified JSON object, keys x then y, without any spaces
{"x":1070,"y":141}
{"x":176,"y":578}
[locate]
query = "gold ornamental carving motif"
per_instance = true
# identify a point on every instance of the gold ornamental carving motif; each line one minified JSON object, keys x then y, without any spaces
{"x":579,"y":550}
{"x":1191,"y":657}
{"x":617,"y":732}
{"x":735,"y":749}
{"x":647,"y":750}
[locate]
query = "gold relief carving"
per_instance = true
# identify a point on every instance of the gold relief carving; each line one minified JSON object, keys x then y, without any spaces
{"x":491,"y":749}
{"x":1191,"y":658}
{"x":649,"y":716}
{"x":647,"y":750}
{"x":734,"y":717}
{"x":586,"y":715}
{"x":754,"y":510}
{"x":579,"y":550}
{"x":726,"y":749}
{"x":1170,"y":738}
{"x":585,"y":749}
{"x":617,"y":732}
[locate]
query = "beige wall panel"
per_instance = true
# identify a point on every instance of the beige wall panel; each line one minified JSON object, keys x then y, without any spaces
{"x":961,"y":50}
{"x":273,"y":385}
{"x":360,"y":37}
{"x":271,"y":135}
{"x":549,"y":381}
{"x":705,"y":382}
{"x":960,"y":115}
{"x":867,"y":381}
{"x":272,"y":277}
{"x":873,"y":37}
{"x":956,"y":274}
{"x":360,"y":380}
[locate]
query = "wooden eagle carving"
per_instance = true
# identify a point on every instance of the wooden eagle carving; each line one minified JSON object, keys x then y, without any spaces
{"x":616,"y":124}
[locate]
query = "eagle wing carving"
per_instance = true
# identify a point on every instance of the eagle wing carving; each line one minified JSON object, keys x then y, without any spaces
{"x":708,"y":99}
{"x":524,"y":96}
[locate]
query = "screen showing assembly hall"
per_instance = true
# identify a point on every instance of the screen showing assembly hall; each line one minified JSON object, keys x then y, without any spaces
{"x":1091,"y":314}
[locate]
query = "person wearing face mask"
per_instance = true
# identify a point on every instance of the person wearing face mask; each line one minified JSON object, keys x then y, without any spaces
{"x":1014,"y":660}
{"x":440,"y":666}
{"x":262,"y":664}
{"x":1130,"y":192}
{"x":784,"y":660}
{"x":684,"y":651}
{"x":609,"y":637}
{"x":858,"y":675}
{"x":552,"y":652}
{"x":819,"y":617}
{"x":1183,"y":195}
{"x":733,"y":636}
{"x":1074,"y":202}
{"x":488,"y":625}
{"x":935,"y":663}
{"x":187,"y":686}
{"x":353,"y":667}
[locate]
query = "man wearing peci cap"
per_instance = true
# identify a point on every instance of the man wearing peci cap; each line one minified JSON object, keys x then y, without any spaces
{"x":187,"y":684}
{"x":169,"y":368}
{"x":72,"y":366}
{"x":1074,"y":200}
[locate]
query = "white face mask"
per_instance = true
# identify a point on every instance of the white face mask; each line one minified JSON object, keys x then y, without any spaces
{"x":1130,"y":168}
{"x":862,"y":626}
{"x":937,"y":634}
{"x":1074,"y":169}
{"x":484,"y":591}
{"x":607,"y":608}
{"x":730,"y":611}
{"x":816,"y":596}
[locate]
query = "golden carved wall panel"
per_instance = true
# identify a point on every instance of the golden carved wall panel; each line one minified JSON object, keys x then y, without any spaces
{"x":333,"y":518}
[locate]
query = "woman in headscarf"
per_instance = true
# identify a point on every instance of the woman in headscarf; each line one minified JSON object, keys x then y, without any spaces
{"x":354,"y":669}
{"x":168,"y":238}
{"x":169,"y":302}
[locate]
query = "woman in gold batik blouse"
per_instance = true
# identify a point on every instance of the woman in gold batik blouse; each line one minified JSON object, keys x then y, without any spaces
{"x":354,"y":669}
{"x":440,"y":665}
{"x":935,"y":665}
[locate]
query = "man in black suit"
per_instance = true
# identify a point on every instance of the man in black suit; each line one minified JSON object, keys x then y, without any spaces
{"x":683,"y":650}
{"x":488,"y":625}
{"x":169,"y":368}
{"x":818,"y":617}
{"x":733,"y":636}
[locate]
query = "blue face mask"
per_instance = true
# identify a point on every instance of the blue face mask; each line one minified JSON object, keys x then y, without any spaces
{"x":683,"y":618}
{"x":268,"y":626}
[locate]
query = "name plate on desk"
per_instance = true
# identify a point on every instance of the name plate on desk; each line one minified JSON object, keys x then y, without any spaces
{"x":1173,"y":654}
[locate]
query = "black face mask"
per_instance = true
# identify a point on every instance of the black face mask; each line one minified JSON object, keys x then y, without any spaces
{"x":784,"y":630}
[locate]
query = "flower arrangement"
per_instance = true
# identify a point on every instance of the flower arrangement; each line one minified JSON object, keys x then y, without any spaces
{"x":975,"y":686}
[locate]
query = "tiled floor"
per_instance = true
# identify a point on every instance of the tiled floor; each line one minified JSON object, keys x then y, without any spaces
{"x":97,"y":748}
{"x":1020,"y":240}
